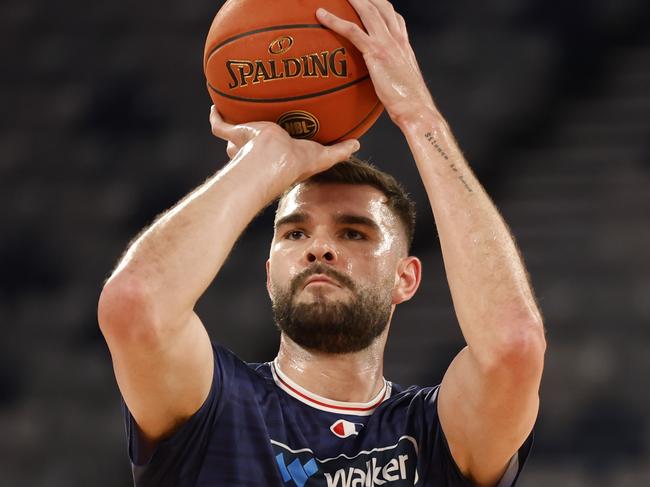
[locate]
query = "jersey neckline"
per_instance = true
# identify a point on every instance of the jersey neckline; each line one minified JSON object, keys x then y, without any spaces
{"x":325,"y":404}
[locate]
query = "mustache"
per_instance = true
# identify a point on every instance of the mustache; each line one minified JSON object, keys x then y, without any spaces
{"x":318,"y":268}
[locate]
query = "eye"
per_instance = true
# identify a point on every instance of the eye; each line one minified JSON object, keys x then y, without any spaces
{"x":354,"y":234}
{"x":294,"y":235}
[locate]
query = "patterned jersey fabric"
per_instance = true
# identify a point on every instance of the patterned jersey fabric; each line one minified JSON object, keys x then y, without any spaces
{"x":258,"y":428}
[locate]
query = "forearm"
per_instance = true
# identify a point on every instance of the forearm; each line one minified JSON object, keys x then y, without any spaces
{"x":489,"y":285}
{"x":173,"y":262}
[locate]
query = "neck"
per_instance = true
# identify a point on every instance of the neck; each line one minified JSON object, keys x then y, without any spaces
{"x":352,"y":377}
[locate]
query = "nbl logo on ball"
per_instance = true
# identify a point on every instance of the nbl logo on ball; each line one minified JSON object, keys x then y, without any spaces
{"x":299,"y":124}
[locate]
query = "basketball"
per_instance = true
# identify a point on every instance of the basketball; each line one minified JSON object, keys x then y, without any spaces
{"x":273,"y":61}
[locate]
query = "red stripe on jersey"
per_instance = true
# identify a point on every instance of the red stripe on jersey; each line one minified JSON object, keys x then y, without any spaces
{"x":332,"y":406}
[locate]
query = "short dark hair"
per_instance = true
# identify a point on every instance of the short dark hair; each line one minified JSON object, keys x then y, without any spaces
{"x":357,"y":171}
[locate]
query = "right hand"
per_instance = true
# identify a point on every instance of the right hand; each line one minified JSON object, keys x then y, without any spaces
{"x":294,"y":159}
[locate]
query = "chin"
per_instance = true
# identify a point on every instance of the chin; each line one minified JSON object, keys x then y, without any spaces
{"x":320,"y":297}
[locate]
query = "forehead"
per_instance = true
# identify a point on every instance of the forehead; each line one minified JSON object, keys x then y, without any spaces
{"x":336,"y":198}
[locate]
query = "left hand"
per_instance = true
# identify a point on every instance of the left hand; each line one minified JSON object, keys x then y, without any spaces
{"x":388,"y":55}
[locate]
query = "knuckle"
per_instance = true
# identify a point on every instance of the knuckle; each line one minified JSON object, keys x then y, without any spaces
{"x":382,"y":53}
{"x":272,"y":131}
{"x":350,"y":28}
{"x":272,"y":136}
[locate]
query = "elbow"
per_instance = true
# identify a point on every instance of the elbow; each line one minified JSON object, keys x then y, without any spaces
{"x":529,"y":342}
{"x":521,"y":352}
{"x":125,"y":312}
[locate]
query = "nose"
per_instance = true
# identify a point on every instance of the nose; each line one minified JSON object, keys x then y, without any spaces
{"x":321,"y":250}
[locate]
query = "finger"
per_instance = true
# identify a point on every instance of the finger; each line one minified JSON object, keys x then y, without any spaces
{"x":387,"y":12}
{"x":220,"y":128}
{"x":371,"y":17}
{"x":237,"y":134}
{"x":402,"y":25}
{"x":342,"y":151}
{"x":349,"y":30}
{"x":232,"y":150}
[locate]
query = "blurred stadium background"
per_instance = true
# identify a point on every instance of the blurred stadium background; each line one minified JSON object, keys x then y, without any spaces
{"x":106,"y":124}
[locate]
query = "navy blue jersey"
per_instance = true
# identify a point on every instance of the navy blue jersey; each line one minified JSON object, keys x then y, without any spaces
{"x":257,"y":428}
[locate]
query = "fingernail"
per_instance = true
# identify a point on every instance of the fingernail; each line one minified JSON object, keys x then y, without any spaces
{"x":356,"y":146}
{"x":322,"y":12}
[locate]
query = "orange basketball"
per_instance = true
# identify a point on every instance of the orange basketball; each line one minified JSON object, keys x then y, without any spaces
{"x":272,"y":60}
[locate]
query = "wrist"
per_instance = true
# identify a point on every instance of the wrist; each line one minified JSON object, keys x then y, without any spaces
{"x":266,"y":167}
{"x":418,"y":118}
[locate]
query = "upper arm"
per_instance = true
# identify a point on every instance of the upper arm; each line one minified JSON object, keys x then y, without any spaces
{"x":487,"y":412}
{"x":163,"y":370}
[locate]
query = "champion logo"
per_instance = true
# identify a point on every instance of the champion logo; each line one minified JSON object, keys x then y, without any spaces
{"x":344,"y":429}
{"x":296,"y":471}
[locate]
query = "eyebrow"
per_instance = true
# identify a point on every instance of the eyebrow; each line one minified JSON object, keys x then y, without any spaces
{"x":345,"y":219}
{"x":296,"y":217}
{"x":348,"y":219}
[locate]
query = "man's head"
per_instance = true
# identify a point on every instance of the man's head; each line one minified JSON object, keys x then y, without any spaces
{"x":339,"y":258}
{"x":358,"y":172}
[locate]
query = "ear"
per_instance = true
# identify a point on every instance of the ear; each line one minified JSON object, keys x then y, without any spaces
{"x":268,"y":278}
{"x":407,"y":279}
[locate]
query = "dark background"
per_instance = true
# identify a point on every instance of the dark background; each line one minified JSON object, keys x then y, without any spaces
{"x":105,"y":124}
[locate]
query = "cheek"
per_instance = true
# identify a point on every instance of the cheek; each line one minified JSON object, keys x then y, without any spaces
{"x":385,"y":247}
{"x":374,"y":267}
{"x":386,"y":265}
{"x":282,"y":266}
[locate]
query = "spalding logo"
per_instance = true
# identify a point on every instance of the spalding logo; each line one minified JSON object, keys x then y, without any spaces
{"x":299,"y":124}
{"x":281,"y":45}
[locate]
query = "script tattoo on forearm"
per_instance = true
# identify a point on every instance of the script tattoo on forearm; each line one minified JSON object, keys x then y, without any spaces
{"x":429,"y":136}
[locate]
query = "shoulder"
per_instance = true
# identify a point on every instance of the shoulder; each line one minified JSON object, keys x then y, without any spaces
{"x":418,"y":405}
{"x":229,"y":364}
{"x":225,"y":356}
{"x":410,"y":411}
{"x":413,"y":396}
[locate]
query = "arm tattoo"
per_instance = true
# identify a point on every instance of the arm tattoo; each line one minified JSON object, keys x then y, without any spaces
{"x":434,"y":143}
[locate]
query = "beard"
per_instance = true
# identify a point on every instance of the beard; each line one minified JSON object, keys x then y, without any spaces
{"x":329,"y":326}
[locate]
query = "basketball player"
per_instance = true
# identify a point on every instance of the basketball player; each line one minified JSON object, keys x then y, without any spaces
{"x":322,"y":414}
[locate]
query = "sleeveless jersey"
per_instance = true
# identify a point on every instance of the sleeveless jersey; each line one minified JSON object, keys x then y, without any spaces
{"x":257,"y":428}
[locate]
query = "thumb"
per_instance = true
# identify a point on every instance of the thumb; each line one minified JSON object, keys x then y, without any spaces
{"x":232,"y":149}
{"x":220,"y":128}
{"x":342,"y":151}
